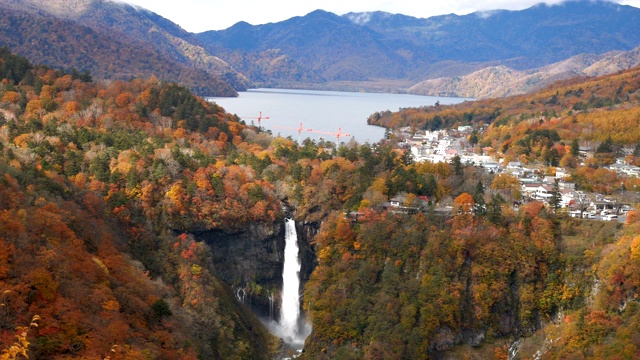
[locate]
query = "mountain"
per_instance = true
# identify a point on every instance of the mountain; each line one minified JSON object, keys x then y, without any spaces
{"x":374,"y":50}
{"x":499,"y":81}
{"x":614,"y":62}
{"x":114,"y":41}
{"x":379,"y":46}
{"x":325,"y":45}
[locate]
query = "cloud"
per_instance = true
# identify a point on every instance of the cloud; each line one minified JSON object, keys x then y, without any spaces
{"x":485,"y":14}
{"x":360,"y":18}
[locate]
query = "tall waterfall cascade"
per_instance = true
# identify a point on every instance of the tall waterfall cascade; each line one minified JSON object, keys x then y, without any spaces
{"x":290,"y":310}
{"x":291,"y":327}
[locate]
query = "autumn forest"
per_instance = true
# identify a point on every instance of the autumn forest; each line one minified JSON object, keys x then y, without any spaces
{"x":107,"y":186}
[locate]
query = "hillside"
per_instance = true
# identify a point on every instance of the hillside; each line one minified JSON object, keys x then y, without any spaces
{"x":492,"y":279}
{"x":81,"y":34}
{"x":500,"y":81}
{"x":91,"y":234}
{"x":378,"y":46}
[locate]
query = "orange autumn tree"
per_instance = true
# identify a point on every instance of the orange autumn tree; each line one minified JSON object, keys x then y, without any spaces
{"x":463,"y":203}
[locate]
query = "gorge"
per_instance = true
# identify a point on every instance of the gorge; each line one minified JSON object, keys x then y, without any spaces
{"x":266,"y":265}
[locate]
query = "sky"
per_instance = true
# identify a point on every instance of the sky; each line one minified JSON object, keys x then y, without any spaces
{"x":203,"y":15}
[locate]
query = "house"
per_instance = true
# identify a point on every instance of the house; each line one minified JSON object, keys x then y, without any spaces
{"x":585,"y":152}
{"x":616,"y":167}
{"x":420,"y":151}
{"x":475,"y":159}
{"x":568,"y":197}
{"x":634,"y":171}
{"x":492,"y":167}
{"x":514,"y":166}
{"x":451,"y":152}
{"x":352,"y":216}
{"x":530,"y":189}
{"x":432,"y":136}
{"x":627,"y":169}
{"x":398,"y":201}
{"x":397,"y":206}
{"x":631,"y":170}
{"x":561,"y":173}
{"x":528,"y":180}
{"x":575,"y":213}
{"x":543,"y":192}
{"x":622,"y":161}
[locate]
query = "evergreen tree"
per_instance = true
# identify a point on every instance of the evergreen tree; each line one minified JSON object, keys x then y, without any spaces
{"x":479,"y":188}
{"x":556,"y":196}
{"x":457,"y":165}
{"x":494,"y":208}
{"x":605,"y":146}
{"x":407,"y":157}
{"x":431,"y":187}
{"x":473,"y":139}
{"x":478,"y":196}
{"x":575,"y":147}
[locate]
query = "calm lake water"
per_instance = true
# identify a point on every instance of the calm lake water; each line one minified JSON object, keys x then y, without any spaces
{"x":323,"y":112}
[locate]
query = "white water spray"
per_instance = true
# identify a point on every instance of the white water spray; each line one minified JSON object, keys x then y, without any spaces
{"x":290,"y":310}
{"x":289,"y":326}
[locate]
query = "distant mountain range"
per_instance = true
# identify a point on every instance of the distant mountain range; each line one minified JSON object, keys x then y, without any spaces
{"x":500,"y":81}
{"x":481,"y":54}
{"x":378,"y":46}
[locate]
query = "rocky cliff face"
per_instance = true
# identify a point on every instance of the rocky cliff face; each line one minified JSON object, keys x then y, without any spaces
{"x":306,"y":232}
{"x":251,"y":262}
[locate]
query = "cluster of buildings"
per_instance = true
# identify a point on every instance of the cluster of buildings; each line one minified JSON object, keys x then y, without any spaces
{"x":541,"y":189}
{"x":444,"y":145}
{"x":577,"y":203}
{"x":622,"y":166}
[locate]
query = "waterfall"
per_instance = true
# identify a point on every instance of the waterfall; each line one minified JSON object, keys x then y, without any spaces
{"x":271,"y":300}
{"x":241,"y":295}
{"x":291,"y":326}
{"x":290,"y":309}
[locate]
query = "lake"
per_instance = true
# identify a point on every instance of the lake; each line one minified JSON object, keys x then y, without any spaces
{"x":322,"y":113}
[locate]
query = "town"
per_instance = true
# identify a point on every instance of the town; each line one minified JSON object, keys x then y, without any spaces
{"x":537,"y":182}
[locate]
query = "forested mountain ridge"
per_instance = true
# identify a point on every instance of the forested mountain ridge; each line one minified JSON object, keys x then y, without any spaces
{"x":81,"y":34}
{"x":375,"y":46}
{"x":500,"y":81}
